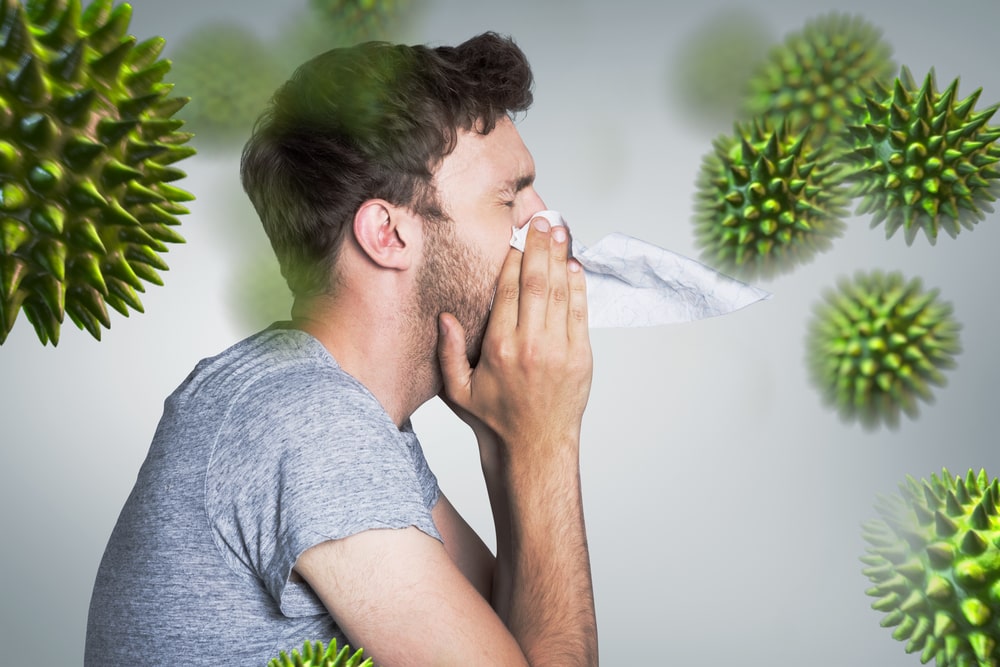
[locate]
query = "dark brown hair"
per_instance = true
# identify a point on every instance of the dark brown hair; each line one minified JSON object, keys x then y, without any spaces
{"x":369,"y":121}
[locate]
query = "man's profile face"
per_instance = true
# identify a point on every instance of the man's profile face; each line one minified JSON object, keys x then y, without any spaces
{"x":486,"y":187}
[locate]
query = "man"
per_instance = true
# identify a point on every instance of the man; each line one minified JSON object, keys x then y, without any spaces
{"x":285,"y":497}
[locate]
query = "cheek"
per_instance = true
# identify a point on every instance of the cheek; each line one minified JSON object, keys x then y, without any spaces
{"x":498,"y":258}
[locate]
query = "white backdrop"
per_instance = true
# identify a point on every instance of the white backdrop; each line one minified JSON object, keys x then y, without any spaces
{"x":723,"y":500}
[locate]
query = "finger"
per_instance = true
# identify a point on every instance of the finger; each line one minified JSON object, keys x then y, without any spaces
{"x":503,"y":312}
{"x":558,"y":281}
{"x":534,"y":283}
{"x":456,"y":373}
{"x":577,"y":321}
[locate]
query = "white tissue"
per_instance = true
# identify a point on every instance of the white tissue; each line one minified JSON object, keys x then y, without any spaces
{"x":632,"y":283}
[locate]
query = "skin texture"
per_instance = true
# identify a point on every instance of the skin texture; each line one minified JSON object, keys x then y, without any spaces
{"x":408,"y":331}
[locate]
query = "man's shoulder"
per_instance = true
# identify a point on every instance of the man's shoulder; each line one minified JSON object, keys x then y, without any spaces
{"x":268,"y":356}
{"x":285,"y":376}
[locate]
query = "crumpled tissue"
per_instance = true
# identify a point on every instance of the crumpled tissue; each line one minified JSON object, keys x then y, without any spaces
{"x":632,"y":283}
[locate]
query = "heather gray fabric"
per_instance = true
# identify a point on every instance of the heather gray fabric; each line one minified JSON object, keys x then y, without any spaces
{"x":262,"y":452}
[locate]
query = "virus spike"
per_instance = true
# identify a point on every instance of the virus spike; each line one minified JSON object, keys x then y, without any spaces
{"x":53,"y":292}
{"x":984,"y":646}
{"x":29,"y":82}
{"x":125,"y":293}
{"x":952,"y":504}
{"x":12,"y":271}
{"x":112,"y":31}
{"x":68,"y":67}
{"x":931,"y":497}
{"x":973,"y":543}
{"x":915,"y":603}
{"x":976,"y":612}
{"x":75,"y":109}
{"x":109,"y":66}
{"x":963,"y":108}
{"x":905,"y":629}
{"x":980,"y":519}
{"x":145,"y":53}
{"x":66,"y":29}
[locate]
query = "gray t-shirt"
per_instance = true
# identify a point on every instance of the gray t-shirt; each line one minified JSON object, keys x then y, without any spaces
{"x":263,"y":452}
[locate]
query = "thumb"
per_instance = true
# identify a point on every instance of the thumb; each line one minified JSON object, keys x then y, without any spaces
{"x":456,"y":373}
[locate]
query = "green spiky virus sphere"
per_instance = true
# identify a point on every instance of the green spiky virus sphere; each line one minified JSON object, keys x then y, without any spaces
{"x":326,"y":24}
{"x":766,"y":200}
{"x":258,"y":294}
{"x":711,"y":65}
{"x":229,"y":73}
{"x":314,"y":654}
{"x":923,"y":159}
{"x":87,"y":143}
{"x":362,"y":20}
{"x":934,"y":561}
{"x":815,"y":75}
{"x":877,"y":344}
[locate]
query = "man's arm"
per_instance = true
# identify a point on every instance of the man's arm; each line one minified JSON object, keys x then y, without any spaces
{"x":529,"y":390}
{"x":399,"y":594}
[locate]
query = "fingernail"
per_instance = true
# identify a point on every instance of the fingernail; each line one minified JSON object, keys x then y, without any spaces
{"x":541,"y":224}
{"x":574,"y":266}
{"x":559,"y":234}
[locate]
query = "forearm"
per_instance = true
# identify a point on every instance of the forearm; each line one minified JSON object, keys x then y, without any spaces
{"x":547,"y":566}
{"x":489,"y":454}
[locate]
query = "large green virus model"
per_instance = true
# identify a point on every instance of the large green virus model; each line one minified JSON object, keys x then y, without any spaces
{"x":876,"y":345}
{"x":934,"y":560}
{"x":922,"y":159}
{"x":766,"y":200}
{"x":815,"y":75}
{"x":314,"y":654}
{"x":87,"y":140}
{"x":229,"y":73}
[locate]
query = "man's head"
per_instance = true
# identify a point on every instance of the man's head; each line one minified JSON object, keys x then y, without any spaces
{"x":373,"y":121}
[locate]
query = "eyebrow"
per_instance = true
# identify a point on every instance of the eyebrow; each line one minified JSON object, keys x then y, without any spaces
{"x":521,"y":183}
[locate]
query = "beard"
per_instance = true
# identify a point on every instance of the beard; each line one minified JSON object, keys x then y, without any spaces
{"x":456,"y":279}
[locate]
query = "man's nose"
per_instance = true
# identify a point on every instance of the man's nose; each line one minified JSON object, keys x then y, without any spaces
{"x":537,"y":203}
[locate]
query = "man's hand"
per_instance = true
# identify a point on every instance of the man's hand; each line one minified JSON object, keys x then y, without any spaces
{"x":533,"y":378}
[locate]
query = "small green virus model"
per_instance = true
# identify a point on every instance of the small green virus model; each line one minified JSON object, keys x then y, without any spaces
{"x":712,"y":64}
{"x":258,"y":293}
{"x":813,"y":77}
{"x":922,"y":159}
{"x":86,"y":144}
{"x":766,"y":200}
{"x":362,"y":20}
{"x":935,"y":562}
{"x":327,"y":24}
{"x":314,"y":654}
{"x":229,"y":73}
{"x":877,"y":344}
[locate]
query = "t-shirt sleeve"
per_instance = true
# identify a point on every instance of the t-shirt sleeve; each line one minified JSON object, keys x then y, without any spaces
{"x":306,"y":458}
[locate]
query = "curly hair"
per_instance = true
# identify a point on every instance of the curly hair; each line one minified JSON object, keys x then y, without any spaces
{"x":369,"y":121}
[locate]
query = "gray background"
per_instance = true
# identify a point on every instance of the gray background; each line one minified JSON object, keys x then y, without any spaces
{"x":723,"y":500}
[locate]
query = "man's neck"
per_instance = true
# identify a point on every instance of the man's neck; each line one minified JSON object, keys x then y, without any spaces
{"x":379,"y":347}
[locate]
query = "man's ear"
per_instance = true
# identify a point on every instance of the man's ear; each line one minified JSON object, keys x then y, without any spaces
{"x":383,"y":232}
